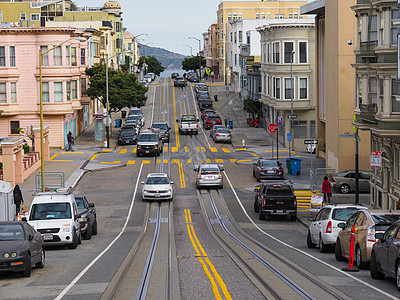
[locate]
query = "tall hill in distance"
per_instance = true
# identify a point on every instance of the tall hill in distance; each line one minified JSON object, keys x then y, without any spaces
{"x":169,"y":60}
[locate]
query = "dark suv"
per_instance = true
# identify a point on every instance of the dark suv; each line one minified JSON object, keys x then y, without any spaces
{"x":211,"y":120}
{"x":127,"y":136}
{"x":149,"y":143}
{"x":275,"y":199}
{"x":163,"y":129}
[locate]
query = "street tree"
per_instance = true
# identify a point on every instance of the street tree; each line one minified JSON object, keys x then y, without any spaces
{"x":153,"y":64}
{"x":192,"y":63}
{"x":123,"y":88}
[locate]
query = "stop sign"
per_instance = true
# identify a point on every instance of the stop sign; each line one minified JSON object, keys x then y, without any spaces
{"x":272,"y":128}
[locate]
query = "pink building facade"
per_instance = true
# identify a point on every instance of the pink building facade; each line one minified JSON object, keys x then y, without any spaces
{"x":65,"y":103}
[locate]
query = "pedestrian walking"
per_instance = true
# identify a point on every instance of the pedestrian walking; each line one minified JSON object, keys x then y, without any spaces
{"x":18,"y":200}
{"x":327,"y":190}
{"x":70,"y":140}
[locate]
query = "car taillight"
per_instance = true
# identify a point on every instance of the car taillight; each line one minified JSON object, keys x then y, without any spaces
{"x":371,"y":234}
{"x":295,"y":202}
{"x":219,"y":176}
{"x":329,"y":227}
{"x":218,"y":134}
{"x":199,"y":176}
{"x":208,"y":121}
{"x":229,"y":135}
{"x":181,"y":126}
{"x":264,"y":201}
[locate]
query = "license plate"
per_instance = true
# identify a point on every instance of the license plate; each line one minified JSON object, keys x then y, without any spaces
{"x":270,"y":172}
{"x":147,"y":151}
{"x":127,"y":142}
{"x":209,"y":177}
{"x":157,"y":195}
{"x":47,"y":237}
{"x":279,"y":211}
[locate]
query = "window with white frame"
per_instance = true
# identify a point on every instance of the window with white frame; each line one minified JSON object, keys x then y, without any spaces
{"x":263,"y":15}
{"x":373,"y":32}
{"x":22,"y":16}
{"x":240,"y":36}
{"x":303,"y":90}
{"x":273,"y":87}
{"x":83,"y":86}
{"x":395,"y":30}
{"x":68,"y":55}
{"x":395,"y":96}
{"x":235,"y":59}
{"x":83,"y":56}
{"x":373,"y":90}
{"x":68,"y":88}
{"x":13,"y":92}
{"x":74,"y":89}
{"x":267,"y":86}
{"x":276,"y":16}
{"x":288,"y":88}
{"x":290,"y":15}
{"x":380,"y":102}
{"x":240,"y":16}
{"x":277,"y":88}
{"x":300,"y":129}
{"x":3,"y":92}
{"x":73,"y":57}
{"x":303,"y":55}
{"x":35,"y":17}
{"x":58,"y":91}
{"x":12,"y":56}
{"x":45,"y":57}
{"x":381,"y":27}
{"x":229,"y":16}
{"x":268,"y":52}
{"x":296,"y":15}
{"x":268,"y":16}
{"x":57,"y":56}
{"x":312,"y":129}
{"x":45,"y":92}
{"x":2,"y":56}
{"x":234,"y":16}
{"x":276,"y":52}
{"x":257,"y":15}
{"x":288,"y":49}
{"x":359,"y":28}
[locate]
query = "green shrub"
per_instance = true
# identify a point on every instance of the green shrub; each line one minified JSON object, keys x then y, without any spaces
{"x":26,"y":148}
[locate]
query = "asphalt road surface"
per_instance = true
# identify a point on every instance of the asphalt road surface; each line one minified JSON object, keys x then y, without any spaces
{"x":206,"y":244}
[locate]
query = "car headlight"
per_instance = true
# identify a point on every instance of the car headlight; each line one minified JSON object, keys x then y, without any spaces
{"x":6,"y":255}
{"x":83,"y":219}
{"x":139,"y":147}
{"x":145,"y":191}
{"x":155,"y":147}
{"x":14,"y":254}
{"x":65,"y":228}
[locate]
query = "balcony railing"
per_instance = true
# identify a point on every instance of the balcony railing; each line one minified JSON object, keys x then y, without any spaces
{"x":367,"y":49}
{"x":367,"y":112}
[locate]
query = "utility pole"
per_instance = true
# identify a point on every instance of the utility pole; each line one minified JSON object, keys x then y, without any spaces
{"x":291,"y":101}
{"x":191,"y":37}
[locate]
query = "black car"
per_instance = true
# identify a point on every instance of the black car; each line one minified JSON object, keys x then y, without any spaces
{"x":179,"y":81}
{"x":163,"y":129}
{"x":88,"y":218}
{"x":203,"y":94}
{"x":127,"y":136}
{"x":21,"y":247}
{"x":268,"y":169}
{"x":275,"y":199}
{"x":205,"y":103}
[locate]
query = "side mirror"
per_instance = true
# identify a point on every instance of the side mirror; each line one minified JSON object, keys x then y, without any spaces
{"x":91,"y":204}
{"x":379,"y":236}
{"x":341,"y":225}
{"x":221,"y":167}
{"x":30,"y":237}
{"x":172,"y":182}
{"x":310,"y":219}
{"x":77,"y":216}
{"x":142,"y":182}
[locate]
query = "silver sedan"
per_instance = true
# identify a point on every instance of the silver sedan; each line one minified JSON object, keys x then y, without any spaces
{"x":222,"y":135}
{"x":209,"y":175}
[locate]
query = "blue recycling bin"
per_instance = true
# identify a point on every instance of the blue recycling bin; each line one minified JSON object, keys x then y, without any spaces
{"x":293,"y":165}
{"x":118,"y":122}
{"x":230,"y":123}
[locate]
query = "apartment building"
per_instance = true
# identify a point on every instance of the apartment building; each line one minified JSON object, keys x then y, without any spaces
{"x":335,"y":84}
{"x":288,"y":78}
{"x":131,"y":47}
{"x":210,"y":39}
{"x":64,"y":81}
{"x":232,"y":10}
{"x":378,"y":91}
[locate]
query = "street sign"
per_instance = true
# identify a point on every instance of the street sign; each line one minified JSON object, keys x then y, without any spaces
{"x":376,"y":159}
{"x":208,"y":71}
{"x":280,"y":120}
{"x":291,"y":117}
{"x":347,"y":135}
{"x":230,"y":101}
{"x":310,"y":142}
{"x":289,"y":136}
{"x":272,"y":128}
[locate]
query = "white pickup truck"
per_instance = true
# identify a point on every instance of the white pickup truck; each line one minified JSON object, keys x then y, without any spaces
{"x":188,"y":124}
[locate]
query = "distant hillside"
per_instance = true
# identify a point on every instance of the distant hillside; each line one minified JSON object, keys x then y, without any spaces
{"x":168,"y":59}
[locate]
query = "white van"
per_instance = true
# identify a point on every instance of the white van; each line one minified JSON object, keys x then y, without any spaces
{"x":55,"y":216}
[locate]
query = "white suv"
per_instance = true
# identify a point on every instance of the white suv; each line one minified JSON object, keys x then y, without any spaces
{"x":55,"y":215}
{"x":323,"y":230}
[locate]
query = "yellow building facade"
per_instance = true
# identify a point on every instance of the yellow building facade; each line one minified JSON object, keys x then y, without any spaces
{"x":231,"y":10}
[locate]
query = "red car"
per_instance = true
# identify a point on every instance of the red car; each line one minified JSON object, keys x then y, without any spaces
{"x":211,"y":120}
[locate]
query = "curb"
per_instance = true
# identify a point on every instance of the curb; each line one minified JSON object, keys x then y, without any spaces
{"x":105,"y":169}
{"x":302,"y":222}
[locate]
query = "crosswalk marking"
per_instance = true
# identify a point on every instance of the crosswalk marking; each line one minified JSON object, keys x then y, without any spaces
{"x":304,"y":198}
{"x":130,"y":162}
{"x":226,"y":150}
{"x":165,"y":161}
{"x":174,"y":149}
{"x":123,"y":151}
{"x":134,"y":150}
{"x":213,"y":149}
{"x":197,"y":149}
{"x":145,"y":162}
{"x":203,"y":149}
{"x":233,"y":160}
{"x":219,"y":161}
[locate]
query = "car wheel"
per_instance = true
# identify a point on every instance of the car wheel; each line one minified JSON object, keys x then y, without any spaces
{"x":256,"y":207}
{"x":398,"y":276}
{"x":254,"y":173}
{"x":310,"y":244}
{"x":88,"y":234}
{"x":261,"y":216}
{"x":41,"y":263}
{"x":74,"y":241}
{"x":80,"y":237}
{"x":359,"y":262}
{"x":375,"y":273}
{"x":344,"y":188}
{"x":258,"y":178}
{"x":322,"y":247}
{"x":94,"y":227}
{"x":27,"y":271}
{"x":338,"y":251}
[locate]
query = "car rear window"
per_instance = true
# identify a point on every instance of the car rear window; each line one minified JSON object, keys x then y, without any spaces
{"x":48,"y":211}
{"x":161,"y":126}
{"x":148,"y":137}
{"x":269,"y":163}
{"x":223,"y":130}
{"x":188,"y":119}
{"x":127,"y":132}
{"x":209,"y":169}
{"x":211,"y":118}
{"x":343,"y":214}
{"x":157,"y":180}
{"x":279,"y":190}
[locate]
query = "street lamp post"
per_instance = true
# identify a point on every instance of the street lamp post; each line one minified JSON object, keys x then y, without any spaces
{"x":144,"y":57}
{"x":191,"y":53}
{"x":291,"y":101}
{"x":81,"y":39}
{"x":191,"y":37}
{"x":356,"y":158}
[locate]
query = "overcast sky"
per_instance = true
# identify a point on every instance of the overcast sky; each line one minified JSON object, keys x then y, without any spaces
{"x":167,"y":23}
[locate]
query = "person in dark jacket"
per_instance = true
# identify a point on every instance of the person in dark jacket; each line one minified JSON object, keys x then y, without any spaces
{"x":327,"y":190}
{"x":70,"y":140}
{"x":18,"y":200}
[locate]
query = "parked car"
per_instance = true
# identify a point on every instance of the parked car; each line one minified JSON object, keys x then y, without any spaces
{"x":222,"y":135}
{"x":148,"y":78}
{"x":345,"y":181}
{"x":179,"y":81}
{"x":205,"y":103}
{"x":21,"y":247}
{"x":368,"y":223}
{"x":211,"y":120}
{"x":200,"y":87}
{"x":153,"y":76}
{"x":209,"y":175}
{"x":55,"y":215}
{"x":268,"y":169}
{"x":323,"y":230}
{"x":157,"y":186}
{"x":144,"y":83}
{"x":385,"y":255}
{"x":173,"y":75}
{"x":149,"y":143}
{"x":88,"y":218}
{"x":207,"y":111}
{"x":127,"y":136}
{"x":214,"y":128}
{"x":163,"y":129}
{"x":275,"y":199}
{"x":202,"y":93}
{"x":311,"y":148}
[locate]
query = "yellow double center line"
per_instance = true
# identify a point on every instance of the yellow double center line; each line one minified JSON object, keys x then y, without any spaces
{"x":204,"y":261}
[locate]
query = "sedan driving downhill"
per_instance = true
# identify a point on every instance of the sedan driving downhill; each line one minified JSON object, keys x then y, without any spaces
{"x":157,"y":186}
{"x":209,"y":175}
